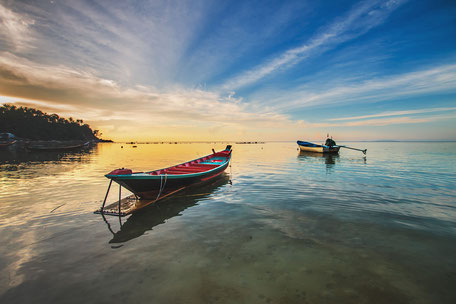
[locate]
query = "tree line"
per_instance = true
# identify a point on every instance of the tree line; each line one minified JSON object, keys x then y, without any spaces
{"x":30,"y":123}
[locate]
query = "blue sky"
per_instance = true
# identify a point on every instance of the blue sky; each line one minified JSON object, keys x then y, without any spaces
{"x":230,"y":70}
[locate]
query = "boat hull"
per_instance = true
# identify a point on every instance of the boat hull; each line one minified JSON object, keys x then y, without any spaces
{"x":149,"y":188}
{"x":311,"y":147}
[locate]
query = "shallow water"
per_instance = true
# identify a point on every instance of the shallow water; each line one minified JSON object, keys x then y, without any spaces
{"x":280,"y":227}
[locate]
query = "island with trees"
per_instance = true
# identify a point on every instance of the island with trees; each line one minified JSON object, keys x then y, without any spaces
{"x":36,"y":127}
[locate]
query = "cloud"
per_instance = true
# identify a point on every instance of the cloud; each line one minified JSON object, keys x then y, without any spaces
{"x":15,"y":29}
{"x":381,"y":122}
{"x":235,"y":31}
{"x":145,"y":112}
{"x":397,"y":113}
{"x":357,"y":22}
{"x":398,"y":120}
{"x":84,"y":95}
{"x":440,"y":79}
{"x":130,"y":43}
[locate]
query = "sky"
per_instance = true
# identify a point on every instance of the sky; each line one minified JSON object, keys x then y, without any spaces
{"x":202,"y":70}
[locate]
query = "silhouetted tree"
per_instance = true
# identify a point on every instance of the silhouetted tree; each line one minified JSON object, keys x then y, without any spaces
{"x":34,"y":124}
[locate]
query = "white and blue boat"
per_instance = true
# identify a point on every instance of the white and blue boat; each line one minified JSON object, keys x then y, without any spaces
{"x":311,"y":147}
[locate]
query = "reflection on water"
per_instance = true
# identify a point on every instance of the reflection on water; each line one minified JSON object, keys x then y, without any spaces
{"x":158,"y":213}
{"x":20,"y":163}
{"x":290,"y":228}
{"x":329,"y":159}
{"x":17,"y":156}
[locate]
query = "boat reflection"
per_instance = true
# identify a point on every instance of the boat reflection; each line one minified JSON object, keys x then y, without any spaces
{"x":158,"y":213}
{"x":328,"y":158}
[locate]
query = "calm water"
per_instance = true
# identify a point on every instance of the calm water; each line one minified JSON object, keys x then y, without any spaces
{"x":280,"y":227}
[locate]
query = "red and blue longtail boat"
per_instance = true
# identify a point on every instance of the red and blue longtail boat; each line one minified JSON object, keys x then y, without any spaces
{"x":149,"y":187}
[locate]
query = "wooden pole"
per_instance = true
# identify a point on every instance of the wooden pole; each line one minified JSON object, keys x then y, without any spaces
{"x":364,"y":151}
{"x":120,"y":199}
{"x":104,"y":202}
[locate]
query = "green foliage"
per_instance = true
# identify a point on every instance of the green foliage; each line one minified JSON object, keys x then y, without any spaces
{"x":31,"y":123}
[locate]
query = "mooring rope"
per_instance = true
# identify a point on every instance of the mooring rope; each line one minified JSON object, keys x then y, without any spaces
{"x":162,"y":187}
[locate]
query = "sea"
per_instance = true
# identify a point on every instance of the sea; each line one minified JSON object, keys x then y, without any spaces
{"x":280,"y":226}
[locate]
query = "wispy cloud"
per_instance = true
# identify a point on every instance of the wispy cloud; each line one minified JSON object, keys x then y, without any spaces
{"x":235,"y":32}
{"x":78,"y":92}
{"x":15,"y":29}
{"x":399,"y":120}
{"x":128,"y":42}
{"x":440,"y":79}
{"x":397,"y":113}
{"x":357,"y":22}
{"x":84,"y":95}
{"x":380,"y":122}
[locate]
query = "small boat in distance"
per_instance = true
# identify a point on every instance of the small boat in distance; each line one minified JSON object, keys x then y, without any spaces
{"x":329,"y":147}
{"x":149,"y":187}
{"x":7,"y":139}
{"x":55,"y":145}
{"x":311,"y":147}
